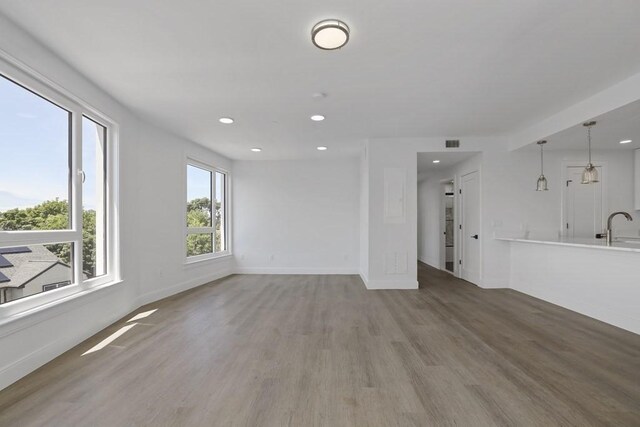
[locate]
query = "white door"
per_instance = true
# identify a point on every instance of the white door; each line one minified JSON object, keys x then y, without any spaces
{"x":583,"y":205}
{"x":470,"y":227}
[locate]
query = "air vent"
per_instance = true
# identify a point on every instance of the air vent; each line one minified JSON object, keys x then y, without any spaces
{"x":452,"y":143}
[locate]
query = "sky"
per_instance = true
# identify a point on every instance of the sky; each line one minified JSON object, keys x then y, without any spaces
{"x":34,"y":150}
{"x":34,"y":153}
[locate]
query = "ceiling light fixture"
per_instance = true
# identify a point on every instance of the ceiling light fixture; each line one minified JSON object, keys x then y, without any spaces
{"x":256,"y":149}
{"x":317,"y":117}
{"x":625,"y":141}
{"x":322,"y":148}
{"x":542,"y":181}
{"x":590,"y":173}
{"x":330,"y":34}
{"x":225,"y":120}
{"x":436,"y":161}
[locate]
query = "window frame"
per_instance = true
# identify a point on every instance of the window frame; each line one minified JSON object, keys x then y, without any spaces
{"x":192,"y":161}
{"x":41,"y":86}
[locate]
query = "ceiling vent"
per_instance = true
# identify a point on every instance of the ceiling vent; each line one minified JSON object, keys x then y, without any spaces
{"x":452,"y":143}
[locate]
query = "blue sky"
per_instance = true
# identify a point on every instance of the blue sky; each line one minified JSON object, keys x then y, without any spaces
{"x":34,"y":150}
{"x":34,"y":153}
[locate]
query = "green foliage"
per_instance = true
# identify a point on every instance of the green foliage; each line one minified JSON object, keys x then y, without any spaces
{"x":199,"y":215}
{"x":54,"y":215}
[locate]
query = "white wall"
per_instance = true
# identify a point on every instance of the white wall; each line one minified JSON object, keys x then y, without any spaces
{"x":297,"y":216}
{"x":151,"y":199}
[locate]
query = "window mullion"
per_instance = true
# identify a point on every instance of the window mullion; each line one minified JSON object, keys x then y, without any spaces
{"x":214,"y":220}
{"x":76,"y":193}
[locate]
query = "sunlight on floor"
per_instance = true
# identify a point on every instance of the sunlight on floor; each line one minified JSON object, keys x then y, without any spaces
{"x":142,"y":315}
{"x":111,"y":338}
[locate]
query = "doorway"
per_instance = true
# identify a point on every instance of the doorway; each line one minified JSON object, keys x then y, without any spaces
{"x":583,"y":205}
{"x":449,"y":210}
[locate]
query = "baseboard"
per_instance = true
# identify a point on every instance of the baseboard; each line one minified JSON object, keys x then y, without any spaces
{"x":22,"y":367}
{"x":392,"y":284}
{"x":430,"y":263}
{"x":295,"y":270}
{"x":159,"y":294}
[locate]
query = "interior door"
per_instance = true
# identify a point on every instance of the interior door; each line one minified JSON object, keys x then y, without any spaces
{"x":470,"y":227}
{"x":583,"y":205}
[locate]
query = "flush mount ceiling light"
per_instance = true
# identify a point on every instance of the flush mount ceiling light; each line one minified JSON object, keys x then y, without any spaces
{"x":330,"y":34}
{"x":542,"y":181}
{"x":436,"y":161}
{"x":590,"y":173}
{"x":322,"y":148}
{"x":317,"y":117}
{"x":625,"y":141}
{"x":225,"y":120}
{"x":256,"y":149}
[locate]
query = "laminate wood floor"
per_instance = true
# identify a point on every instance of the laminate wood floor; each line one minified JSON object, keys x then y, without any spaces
{"x":254,"y":350}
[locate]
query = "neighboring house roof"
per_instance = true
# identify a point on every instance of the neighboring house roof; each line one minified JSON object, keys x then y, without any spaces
{"x":20,"y":265}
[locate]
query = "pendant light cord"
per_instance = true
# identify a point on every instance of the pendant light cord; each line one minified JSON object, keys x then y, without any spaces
{"x":589,"y":138}
{"x":541,"y":161}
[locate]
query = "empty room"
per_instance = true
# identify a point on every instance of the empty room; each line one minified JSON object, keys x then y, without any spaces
{"x":338,"y":213}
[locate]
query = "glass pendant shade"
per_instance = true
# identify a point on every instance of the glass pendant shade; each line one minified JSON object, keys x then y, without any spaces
{"x":590,"y":174}
{"x":541,"y":185}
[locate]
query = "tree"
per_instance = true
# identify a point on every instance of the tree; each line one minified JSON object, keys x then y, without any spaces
{"x":199,"y":215}
{"x":54,"y":215}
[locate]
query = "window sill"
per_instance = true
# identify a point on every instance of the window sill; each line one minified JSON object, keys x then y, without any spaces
{"x":201,"y":259}
{"x":32,"y":315}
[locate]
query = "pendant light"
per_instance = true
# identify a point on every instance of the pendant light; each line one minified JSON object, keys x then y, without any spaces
{"x":542,"y":181}
{"x":590,"y":173}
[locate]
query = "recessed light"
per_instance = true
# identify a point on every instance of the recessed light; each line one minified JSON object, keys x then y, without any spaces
{"x":322,"y":148}
{"x":330,"y":34}
{"x":256,"y":149}
{"x":625,"y":141}
{"x":436,"y":161}
{"x":225,"y":120}
{"x":317,"y":117}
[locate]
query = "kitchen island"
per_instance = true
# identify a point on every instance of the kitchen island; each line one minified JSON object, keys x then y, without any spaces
{"x":583,"y":275}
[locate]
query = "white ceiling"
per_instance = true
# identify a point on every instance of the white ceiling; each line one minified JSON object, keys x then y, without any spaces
{"x":611,"y":128}
{"x":412,"y":67}
{"x":447,"y":159}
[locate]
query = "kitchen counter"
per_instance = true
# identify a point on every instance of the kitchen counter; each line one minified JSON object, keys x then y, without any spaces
{"x":627,"y":244}
{"x":583,"y":275}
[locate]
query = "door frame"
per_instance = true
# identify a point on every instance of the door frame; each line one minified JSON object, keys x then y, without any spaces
{"x":604,"y":180}
{"x":459,"y":215}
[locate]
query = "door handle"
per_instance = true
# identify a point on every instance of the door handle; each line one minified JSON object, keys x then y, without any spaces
{"x":475,"y":236}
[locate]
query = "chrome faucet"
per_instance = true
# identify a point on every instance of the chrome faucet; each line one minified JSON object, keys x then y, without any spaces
{"x":609,"y":233}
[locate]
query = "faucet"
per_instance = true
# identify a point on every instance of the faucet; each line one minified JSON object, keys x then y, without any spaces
{"x":609,"y":234}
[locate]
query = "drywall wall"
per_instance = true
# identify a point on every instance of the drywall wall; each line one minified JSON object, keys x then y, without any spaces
{"x":151,"y":199}
{"x":393,"y":240}
{"x":296,"y":216}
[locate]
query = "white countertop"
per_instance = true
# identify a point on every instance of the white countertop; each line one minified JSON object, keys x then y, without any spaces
{"x":627,"y":244}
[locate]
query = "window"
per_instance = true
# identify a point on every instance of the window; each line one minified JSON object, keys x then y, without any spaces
{"x":54,"y":193}
{"x":206,"y":206}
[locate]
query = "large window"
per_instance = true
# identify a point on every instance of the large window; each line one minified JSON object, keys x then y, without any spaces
{"x":206,"y":206}
{"x":54,"y":192}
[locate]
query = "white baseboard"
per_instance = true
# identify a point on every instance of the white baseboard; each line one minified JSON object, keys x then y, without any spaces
{"x":159,"y":294}
{"x":295,"y":270}
{"x":392,"y":284}
{"x":23,"y":366}
{"x":430,"y":263}
{"x":28,"y":363}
